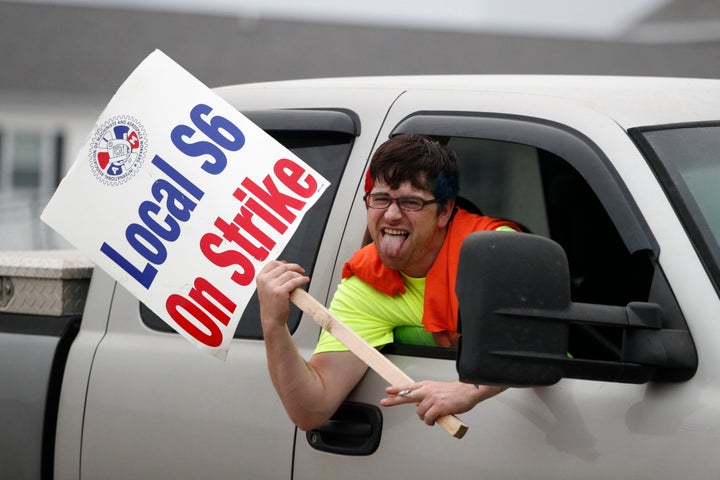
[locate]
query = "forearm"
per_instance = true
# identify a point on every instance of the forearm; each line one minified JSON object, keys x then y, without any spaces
{"x":298,"y":385}
{"x":296,"y":382}
{"x":309,"y":391}
{"x":483,"y":392}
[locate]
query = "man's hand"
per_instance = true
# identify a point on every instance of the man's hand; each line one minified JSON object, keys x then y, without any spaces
{"x":274,"y":284}
{"x":434,"y":399}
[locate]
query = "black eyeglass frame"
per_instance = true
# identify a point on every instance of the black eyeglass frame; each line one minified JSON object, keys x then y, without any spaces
{"x":368,"y":197}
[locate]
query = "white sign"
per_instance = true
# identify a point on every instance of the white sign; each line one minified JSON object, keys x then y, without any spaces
{"x":182,"y":200}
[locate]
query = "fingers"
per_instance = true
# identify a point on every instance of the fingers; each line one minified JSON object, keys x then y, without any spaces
{"x":276,"y":268}
{"x":427,"y":401}
{"x":401,"y":390}
{"x":274,"y":283}
{"x":435,"y":399}
{"x":428,"y":412}
{"x":399,"y":394}
{"x":416,"y":393}
{"x":279,"y":276}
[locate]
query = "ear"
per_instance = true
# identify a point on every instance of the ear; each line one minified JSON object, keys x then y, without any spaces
{"x":445,"y":213}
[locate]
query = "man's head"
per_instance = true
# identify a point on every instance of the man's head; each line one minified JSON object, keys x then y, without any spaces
{"x":417,"y":159}
{"x":411,"y":186}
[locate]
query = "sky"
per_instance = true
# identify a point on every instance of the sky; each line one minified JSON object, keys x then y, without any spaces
{"x":592,"y":19}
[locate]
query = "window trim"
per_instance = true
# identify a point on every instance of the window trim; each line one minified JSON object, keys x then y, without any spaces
{"x":306,"y":120}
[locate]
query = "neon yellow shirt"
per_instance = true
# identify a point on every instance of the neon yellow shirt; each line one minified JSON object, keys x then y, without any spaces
{"x":375,"y":316}
{"x":371,"y":314}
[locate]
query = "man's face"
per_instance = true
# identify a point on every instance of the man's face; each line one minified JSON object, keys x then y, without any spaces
{"x":408,"y":240}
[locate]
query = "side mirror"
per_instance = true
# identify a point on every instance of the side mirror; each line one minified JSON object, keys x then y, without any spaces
{"x":515,"y":314}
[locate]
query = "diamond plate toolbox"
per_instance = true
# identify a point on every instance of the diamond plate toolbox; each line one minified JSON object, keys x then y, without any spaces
{"x":51,"y":282}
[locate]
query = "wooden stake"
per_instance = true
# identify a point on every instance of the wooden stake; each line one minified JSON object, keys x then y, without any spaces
{"x":366,"y":352}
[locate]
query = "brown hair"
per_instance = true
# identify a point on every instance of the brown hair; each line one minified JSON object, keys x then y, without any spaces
{"x":417,"y":159}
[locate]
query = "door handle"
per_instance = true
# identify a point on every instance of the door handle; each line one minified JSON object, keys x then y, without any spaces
{"x":354,"y":429}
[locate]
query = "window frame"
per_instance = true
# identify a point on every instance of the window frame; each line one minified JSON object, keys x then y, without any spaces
{"x":562,"y":141}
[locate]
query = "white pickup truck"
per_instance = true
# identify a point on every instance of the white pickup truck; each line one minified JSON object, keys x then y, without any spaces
{"x":604,"y":317}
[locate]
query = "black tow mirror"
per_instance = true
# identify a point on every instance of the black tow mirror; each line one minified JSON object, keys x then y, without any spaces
{"x":515,"y":313}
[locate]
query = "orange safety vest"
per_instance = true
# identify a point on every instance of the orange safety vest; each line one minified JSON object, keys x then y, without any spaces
{"x":440,"y":304}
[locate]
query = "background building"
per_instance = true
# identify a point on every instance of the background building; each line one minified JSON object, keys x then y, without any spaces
{"x":62,"y":62}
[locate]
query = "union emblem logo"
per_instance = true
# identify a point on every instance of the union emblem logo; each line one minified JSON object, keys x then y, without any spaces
{"x":117,"y":150}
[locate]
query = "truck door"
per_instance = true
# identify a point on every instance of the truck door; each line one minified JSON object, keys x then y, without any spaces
{"x":159,"y":408}
{"x":559,"y":170}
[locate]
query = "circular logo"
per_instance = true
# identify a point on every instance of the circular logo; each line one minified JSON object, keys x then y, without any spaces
{"x":117,"y":150}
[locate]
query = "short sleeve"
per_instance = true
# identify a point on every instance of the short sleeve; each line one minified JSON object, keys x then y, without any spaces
{"x":371,"y":314}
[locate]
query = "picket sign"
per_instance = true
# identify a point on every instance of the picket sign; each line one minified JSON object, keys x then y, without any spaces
{"x":366,"y":352}
{"x":182,"y":200}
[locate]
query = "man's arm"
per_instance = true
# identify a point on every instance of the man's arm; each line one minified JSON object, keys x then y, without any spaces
{"x":310,"y":391}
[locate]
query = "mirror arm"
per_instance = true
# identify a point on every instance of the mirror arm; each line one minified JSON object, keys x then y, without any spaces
{"x":639,"y":315}
{"x":645,"y":342}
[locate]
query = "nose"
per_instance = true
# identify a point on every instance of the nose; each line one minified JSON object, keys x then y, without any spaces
{"x":393,"y":211}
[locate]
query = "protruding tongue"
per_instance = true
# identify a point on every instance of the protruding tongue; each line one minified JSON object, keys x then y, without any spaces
{"x":390,"y":244}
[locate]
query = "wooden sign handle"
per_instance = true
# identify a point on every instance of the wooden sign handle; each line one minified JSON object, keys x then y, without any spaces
{"x":366,"y":352}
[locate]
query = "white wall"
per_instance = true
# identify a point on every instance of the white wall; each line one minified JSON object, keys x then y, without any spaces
{"x":47,"y":116}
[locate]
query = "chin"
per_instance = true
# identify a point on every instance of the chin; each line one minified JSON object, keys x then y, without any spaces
{"x":389,"y":263}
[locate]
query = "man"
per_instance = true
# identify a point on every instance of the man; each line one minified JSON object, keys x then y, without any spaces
{"x":416,"y":232}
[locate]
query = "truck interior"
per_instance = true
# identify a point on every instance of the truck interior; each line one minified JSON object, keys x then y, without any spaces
{"x":546,"y":195}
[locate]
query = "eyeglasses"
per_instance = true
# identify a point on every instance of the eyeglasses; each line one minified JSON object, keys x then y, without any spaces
{"x":409,"y":204}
